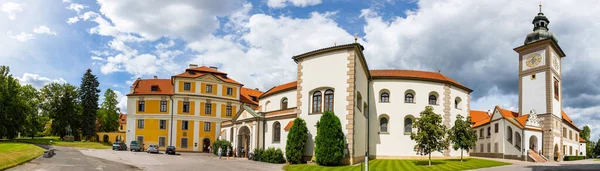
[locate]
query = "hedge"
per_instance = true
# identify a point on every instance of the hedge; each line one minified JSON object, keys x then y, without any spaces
{"x":224,"y":144}
{"x":329,"y":143}
{"x":571,"y":158}
{"x":270,"y":155}
{"x":296,"y":140}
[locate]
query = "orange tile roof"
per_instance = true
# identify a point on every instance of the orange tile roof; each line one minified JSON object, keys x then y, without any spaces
{"x":507,"y":113}
{"x":203,"y":70}
{"x":144,"y":87}
{"x":582,"y":140}
{"x":412,"y":74}
{"x":246,"y":95}
{"x":280,"y":88}
{"x":566,"y":118}
{"x":522,"y":119}
{"x":122,"y":118}
{"x":479,"y":118}
{"x":289,"y":125}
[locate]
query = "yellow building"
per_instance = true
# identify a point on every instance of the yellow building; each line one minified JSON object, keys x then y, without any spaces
{"x":184,"y":111}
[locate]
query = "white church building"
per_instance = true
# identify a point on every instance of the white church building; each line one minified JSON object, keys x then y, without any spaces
{"x":378,"y":107}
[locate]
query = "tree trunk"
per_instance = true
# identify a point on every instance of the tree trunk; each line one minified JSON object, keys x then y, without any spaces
{"x":430,"y":159}
{"x":461,"y":155}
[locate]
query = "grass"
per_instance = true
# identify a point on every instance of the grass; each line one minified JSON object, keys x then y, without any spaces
{"x":57,"y":142}
{"x":12,"y":153}
{"x":412,"y":165}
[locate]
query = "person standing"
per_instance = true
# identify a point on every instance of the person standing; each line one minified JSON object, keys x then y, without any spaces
{"x":209,"y":151}
{"x":235,"y":152}
{"x":228,"y":151}
{"x":219,"y":152}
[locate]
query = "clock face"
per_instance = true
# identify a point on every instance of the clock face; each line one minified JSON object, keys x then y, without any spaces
{"x":556,"y":63}
{"x":533,"y":60}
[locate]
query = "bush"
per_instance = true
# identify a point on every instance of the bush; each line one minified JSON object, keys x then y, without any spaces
{"x":270,"y":155}
{"x":296,"y":140}
{"x":329,"y":143}
{"x":571,"y":158}
{"x":224,"y":144}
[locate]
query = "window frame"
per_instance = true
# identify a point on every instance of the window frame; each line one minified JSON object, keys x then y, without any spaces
{"x":410,"y":99}
{"x":276,"y":132}
{"x":207,"y":126}
{"x":209,"y":88}
{"x":162,"y":124}
{"x":185,"y":125}
{"x":434,"y":98}
{"x":384,"y":97}
{"x":229,"y":91}
{"x":140,"y":123}
{"x":228,"y":110}
{"x":284,"y":103}
{"x":187,"y":86}
{"x":412,"y":122}
{"x":163,"y":105}
{"x":208,"y":108}
{"x":164,"y":141}
{"x":328,"y":100}
{"x":383,"y":126}
{"x":316,"y":102}
{"x":141,"y":106}
{"x":181,"y":142}
{"x":509,"y":137}
{"x":185,"y":107}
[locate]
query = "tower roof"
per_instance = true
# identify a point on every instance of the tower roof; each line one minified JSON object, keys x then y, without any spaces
{"x":540,"y":29}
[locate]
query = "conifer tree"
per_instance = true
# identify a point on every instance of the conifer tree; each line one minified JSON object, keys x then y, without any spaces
{"x":329,"y":143}
{"x":88,"y":95}
{"x":296,"y":140}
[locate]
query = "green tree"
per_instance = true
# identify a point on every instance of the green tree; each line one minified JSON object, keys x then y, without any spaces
{"x":88,"y":95}
{"x":35,"y":121}
{"x":12,"y":105}
{"x":296,"y":140}
{"x":597,"y":147}
{"x":430,"y":136}
{"x":61,"y":105}
{"x":329,"y":143}
{"x":108,"y":114}
{"x":461,"y":135}
{"x":585,"y":134}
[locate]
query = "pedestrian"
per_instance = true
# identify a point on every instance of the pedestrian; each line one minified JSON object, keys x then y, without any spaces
{"x":219,"y":152}
{"x":235,"y":152}
{"x":209,"y":151}
{"x":228,"y":151}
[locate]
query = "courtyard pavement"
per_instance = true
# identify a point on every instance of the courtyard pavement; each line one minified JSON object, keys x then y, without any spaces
{"x":70,"y":159}
{"x":578,"y":165}
{"x":183,"y":161}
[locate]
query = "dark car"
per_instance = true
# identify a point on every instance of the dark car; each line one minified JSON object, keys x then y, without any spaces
{"x":119,"y":146}
{"x":136,"y":146}
{"x":170,"y":150}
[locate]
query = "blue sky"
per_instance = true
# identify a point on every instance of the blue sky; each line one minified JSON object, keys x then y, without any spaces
{"x":253,"y":41}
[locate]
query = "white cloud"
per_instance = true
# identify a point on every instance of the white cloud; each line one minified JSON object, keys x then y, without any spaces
{"x":76,"y":7}
{"x":122,"y":105}
{"x":11,"y":9}
{"x":72,"y":20}
{"x":23,"y":37}
{"x":43,"y":30}
{"x":297,"y":3}
{"x":38,"y":81}
{"x":66,"y":1}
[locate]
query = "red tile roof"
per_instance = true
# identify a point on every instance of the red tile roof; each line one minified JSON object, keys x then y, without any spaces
{"x":247,"y":95}
{"x":522,"y":119}
{"x":507,"y":114}
{"x":479,"y":118}
{"x":289,"y":125}
{"x":566,"y":118}
{"x":582,"y":140}
{"x":144,"y":87}
{"x":280,"y":88}
{"x":419,"y":75}
{"x":203,"y":70}
{"x":122,"y":118}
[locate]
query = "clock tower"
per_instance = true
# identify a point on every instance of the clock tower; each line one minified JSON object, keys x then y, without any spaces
{"x":540,"y":82}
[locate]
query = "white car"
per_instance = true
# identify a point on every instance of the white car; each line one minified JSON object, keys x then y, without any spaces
{"x":153,"y":149}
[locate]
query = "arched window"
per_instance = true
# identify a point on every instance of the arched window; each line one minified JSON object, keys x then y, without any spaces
{"x":284,"y":103}
{"x":385,"y":97}
{"x":276,"y":132}
{"x":408,"y":124}
{"x":509,"y":134}
{"x":518,"y":140}
{"x":457,"y":103}
{"x":383,"y":125}
{"x":316,"y":106}
{"x":329,"y":100}
{"x":432,"y":100}
{"x":409,"y":98}
{"x":358,"y":101}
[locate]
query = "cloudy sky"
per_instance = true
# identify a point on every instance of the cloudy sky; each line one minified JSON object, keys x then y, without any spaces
{"x":253,"y":41}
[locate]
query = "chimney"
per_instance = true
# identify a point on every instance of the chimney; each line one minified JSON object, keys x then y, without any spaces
{"x":256,"y":89}
{"x":155,"y":77}
{"x":193,"y":66}
{"x":214,"y":67}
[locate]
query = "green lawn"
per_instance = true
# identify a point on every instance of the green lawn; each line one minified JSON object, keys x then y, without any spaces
{"x":412,"y":165}
{"x":57,"y":142}
{"x":12,"y":154}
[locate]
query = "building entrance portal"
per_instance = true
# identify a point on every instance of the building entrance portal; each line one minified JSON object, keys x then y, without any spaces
{"x":243,"y":145}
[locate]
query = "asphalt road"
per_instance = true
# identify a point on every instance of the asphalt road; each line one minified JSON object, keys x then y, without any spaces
{"x":67,"y":159}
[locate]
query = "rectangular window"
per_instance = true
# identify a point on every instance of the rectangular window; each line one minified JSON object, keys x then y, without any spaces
{"x":184,"y":125}
{"x":209,"y":88}
{"x":229,"y":91}
{"x":163,"y":124}
{"x":570,"y":135}
{"x":489,"y":147}
{"x":556,"y":89}
{"x":140,"y":124}
{"x":161,"y":141}
{"x":496,"y":128}
{"x":207,"y":126}
{"x":208,"y":108}
{"x":141,"y":106}
{"x":163,"y":106}
{"x":565,"y":132}
{"x":228,"y":111}
{"x":154,"y":88}
{"x":489,"y":132}
{"x":495,"y":147}
{"x":140,"y":139}
{"x":481,"y":148}
{"x":184,"y":143}
{"x":187,"y":86}
{"x":186,"y":107}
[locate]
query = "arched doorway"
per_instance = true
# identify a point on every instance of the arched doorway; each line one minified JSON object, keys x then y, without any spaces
{"x":244,"y":141}
{"x":556,"y":152}
{"x":533,"y":141}
{"x":205,"y":145}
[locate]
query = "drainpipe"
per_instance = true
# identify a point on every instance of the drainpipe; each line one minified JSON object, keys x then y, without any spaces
{"x":264,"y":130}
{"x":171,"y":129}
{"x":368,"y":126}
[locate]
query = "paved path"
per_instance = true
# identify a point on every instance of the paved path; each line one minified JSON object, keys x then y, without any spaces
{"x":184,"y":161}
{"x":579,"y":165}
{"x":67,"y":159}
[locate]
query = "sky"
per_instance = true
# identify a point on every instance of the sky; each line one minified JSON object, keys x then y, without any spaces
{"x":253,"y":41}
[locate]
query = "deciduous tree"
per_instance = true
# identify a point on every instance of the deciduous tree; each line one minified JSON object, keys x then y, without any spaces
{"x":461,"y":135}
{"x":431,"y":133}
{"x":108,"y":114}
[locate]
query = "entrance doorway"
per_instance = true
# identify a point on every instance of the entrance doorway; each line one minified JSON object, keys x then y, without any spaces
{"x":205,"y":145}
{"x":556,"y":152}
{"x":244,"y":141}
{"x":533,"y":143}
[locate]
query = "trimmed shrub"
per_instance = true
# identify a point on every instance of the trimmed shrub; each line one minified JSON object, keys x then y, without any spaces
{"x":571,"y":158}
{"x":256,"y":154}
{"x":296,"y":140}
{"x":224,"y":144}
{"x":270,"y":155}
{"x":329,"y":149}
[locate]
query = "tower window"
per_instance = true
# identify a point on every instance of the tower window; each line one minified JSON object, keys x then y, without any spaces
{"x":556,"y":91}
{"x":532,"y":76}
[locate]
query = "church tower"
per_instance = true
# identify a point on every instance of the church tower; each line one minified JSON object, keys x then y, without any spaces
{"x":540,"y":82}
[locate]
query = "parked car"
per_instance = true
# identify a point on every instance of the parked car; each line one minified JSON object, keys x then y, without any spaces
{"x":170,"y":150}
{"x":153,"y":149}
{"x":136,"y":146}
{"x":118,"y":145}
